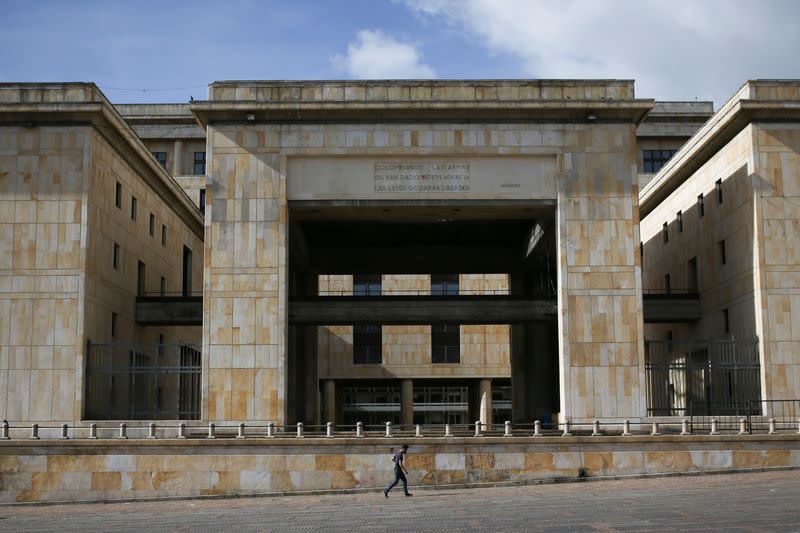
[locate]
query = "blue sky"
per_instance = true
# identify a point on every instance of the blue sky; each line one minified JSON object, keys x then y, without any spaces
{"x":148,"y":51}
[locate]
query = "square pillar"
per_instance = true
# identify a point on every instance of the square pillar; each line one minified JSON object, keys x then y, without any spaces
{"x":407,"y":402}
{"x":329,"y":395}
{"x":177,"y":159}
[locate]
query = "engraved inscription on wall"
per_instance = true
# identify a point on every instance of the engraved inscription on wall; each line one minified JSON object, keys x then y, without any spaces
{"x":421,"y":177}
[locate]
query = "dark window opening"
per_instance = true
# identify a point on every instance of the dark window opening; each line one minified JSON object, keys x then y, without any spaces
{"x":665,"y":228}
{"x":118,"y":195}
{"x":114,"y":325}
{"x":726,"y":320}
{"x":163,"y":285}
{"x":641,"y":253}
{"x":203,"y":201}
{"x":367,"y":344}
{"x":367,"y":285}
{"x":722,"y":255}
{"x":654,"y":160}
{"x":133,"y":207}
{"x":152,"y":225}
{"x":667,"y":284}
{"x":199,"y":163}
{"x":187,"y":271}
{"x":679,"y":217}
{"x":445,"y":343}
{"x":700,"y":206}
{"x":444,"y":284}
{"x":161,"y":157}
{"x":163,"y":235}
{"x":141,"y":279}
{"x":693,"y":279}
{"x":719,"y":191}
{"x":115,"y":257}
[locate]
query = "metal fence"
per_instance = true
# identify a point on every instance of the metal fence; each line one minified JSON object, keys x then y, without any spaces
{"x":131,"y":381}
{"x":701,"y":377}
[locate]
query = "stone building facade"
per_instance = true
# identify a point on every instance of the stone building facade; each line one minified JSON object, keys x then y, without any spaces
{"x":414,"y":251}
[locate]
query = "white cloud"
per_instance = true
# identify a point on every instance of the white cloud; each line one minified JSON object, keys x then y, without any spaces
{"x":375,"y":55}
{"x":676,"y":49}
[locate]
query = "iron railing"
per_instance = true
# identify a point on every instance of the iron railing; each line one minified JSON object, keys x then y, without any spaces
{"x":701,"y":377}
{"x":132,"y":381}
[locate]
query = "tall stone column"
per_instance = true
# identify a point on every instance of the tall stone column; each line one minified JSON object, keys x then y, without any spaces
{"x":600,"y":327}
{"x":177,"y":159}
{"x":485,"y":395}
{"x":407,"y":402}
{"x":329,"y":394}
{"x":245,"y":281}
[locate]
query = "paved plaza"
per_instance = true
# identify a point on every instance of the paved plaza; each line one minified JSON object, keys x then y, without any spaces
{"x":751,"y":502}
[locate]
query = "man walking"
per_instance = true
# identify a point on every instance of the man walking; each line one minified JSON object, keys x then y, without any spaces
{"x":399,"y":471}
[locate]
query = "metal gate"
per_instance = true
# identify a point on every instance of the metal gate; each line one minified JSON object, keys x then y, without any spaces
{"x":701,"y":377}
{"x":131,"y":381}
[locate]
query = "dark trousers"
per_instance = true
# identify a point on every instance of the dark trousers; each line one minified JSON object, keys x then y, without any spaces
{"x":399,"y":476}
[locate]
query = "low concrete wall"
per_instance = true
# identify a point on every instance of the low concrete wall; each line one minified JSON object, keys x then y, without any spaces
{"x":75,"y":470}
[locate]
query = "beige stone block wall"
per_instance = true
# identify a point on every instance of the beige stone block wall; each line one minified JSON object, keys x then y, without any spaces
{"x":729,"y":286}
{"x":600,"y":320}
{"x":777,"y":160}
{"x":600,"y":297}
{"x":43,"y":181}
{"x":485,"y":349}
{"x":168,"y":468}
{"x":244,"y":285}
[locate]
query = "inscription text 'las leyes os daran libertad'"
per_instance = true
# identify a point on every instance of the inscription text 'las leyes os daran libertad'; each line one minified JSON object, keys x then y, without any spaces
{"x":425,"y":177}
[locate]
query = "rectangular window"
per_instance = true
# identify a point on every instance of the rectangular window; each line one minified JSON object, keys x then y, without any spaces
{"x":367,"y":285}
{"x":665,"y":228}
{"x":680,"y":221}
{"x":694,"y":282}
{"x":445,"y":343}
{"x":700,"y":206}
{"x":723,"y":257}
{"x":118,"y":195}
{"x":726,"y":320}
{"x":444,"y":284}
{"x":719,"y":191}
{"x":152,"y":225}
{"x":667,"y":284}
{"x":641,"y":252}
{"x":655,"y":159}
{"x":163,"y":285}
{"x":163,"y":235}
{"x":203,"y":201}
{"x":161,"y":157}
{"x":114,"y":325}
{"x":141,"y":278}
{"x":133,"y":207}
{"x":367,"y":344}
{"x":199,"y":163}
{"x":115,"y":257}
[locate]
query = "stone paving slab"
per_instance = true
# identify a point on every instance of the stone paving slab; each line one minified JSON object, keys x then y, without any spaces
{"x":747,"y":502}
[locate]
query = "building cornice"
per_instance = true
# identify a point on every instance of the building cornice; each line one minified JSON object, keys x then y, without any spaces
{"x":756,"y":101}
{"x":43,"y":104}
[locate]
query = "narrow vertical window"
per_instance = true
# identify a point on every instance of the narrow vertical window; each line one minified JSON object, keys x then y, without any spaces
{"x":445,"y":343}
{"x":199,"y":163}
{"x":723,"y":256}
{"x":719,"y":191}
{"x":666,"y":232}
{"x":726,"y":320}
{"x":203,"y":201}
{"x":163,"y":235}
{"x":114,"y":325}
{"x":141,"y":278}
{"x":118,"y":195}
{"x":641,"y":252}
{"x":115,"y":257}
{"x":680,"y":221}
{"x":133,"y":207}
{"x":667,"y":284}
{"x":152,"y":225}
{"x":700,"y":207}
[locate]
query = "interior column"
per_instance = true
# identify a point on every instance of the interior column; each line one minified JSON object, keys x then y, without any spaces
{"x":407,"y":402}
{"x":177,"y":159}
{"x":329,"y":394}
{"x":485,"y":392}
